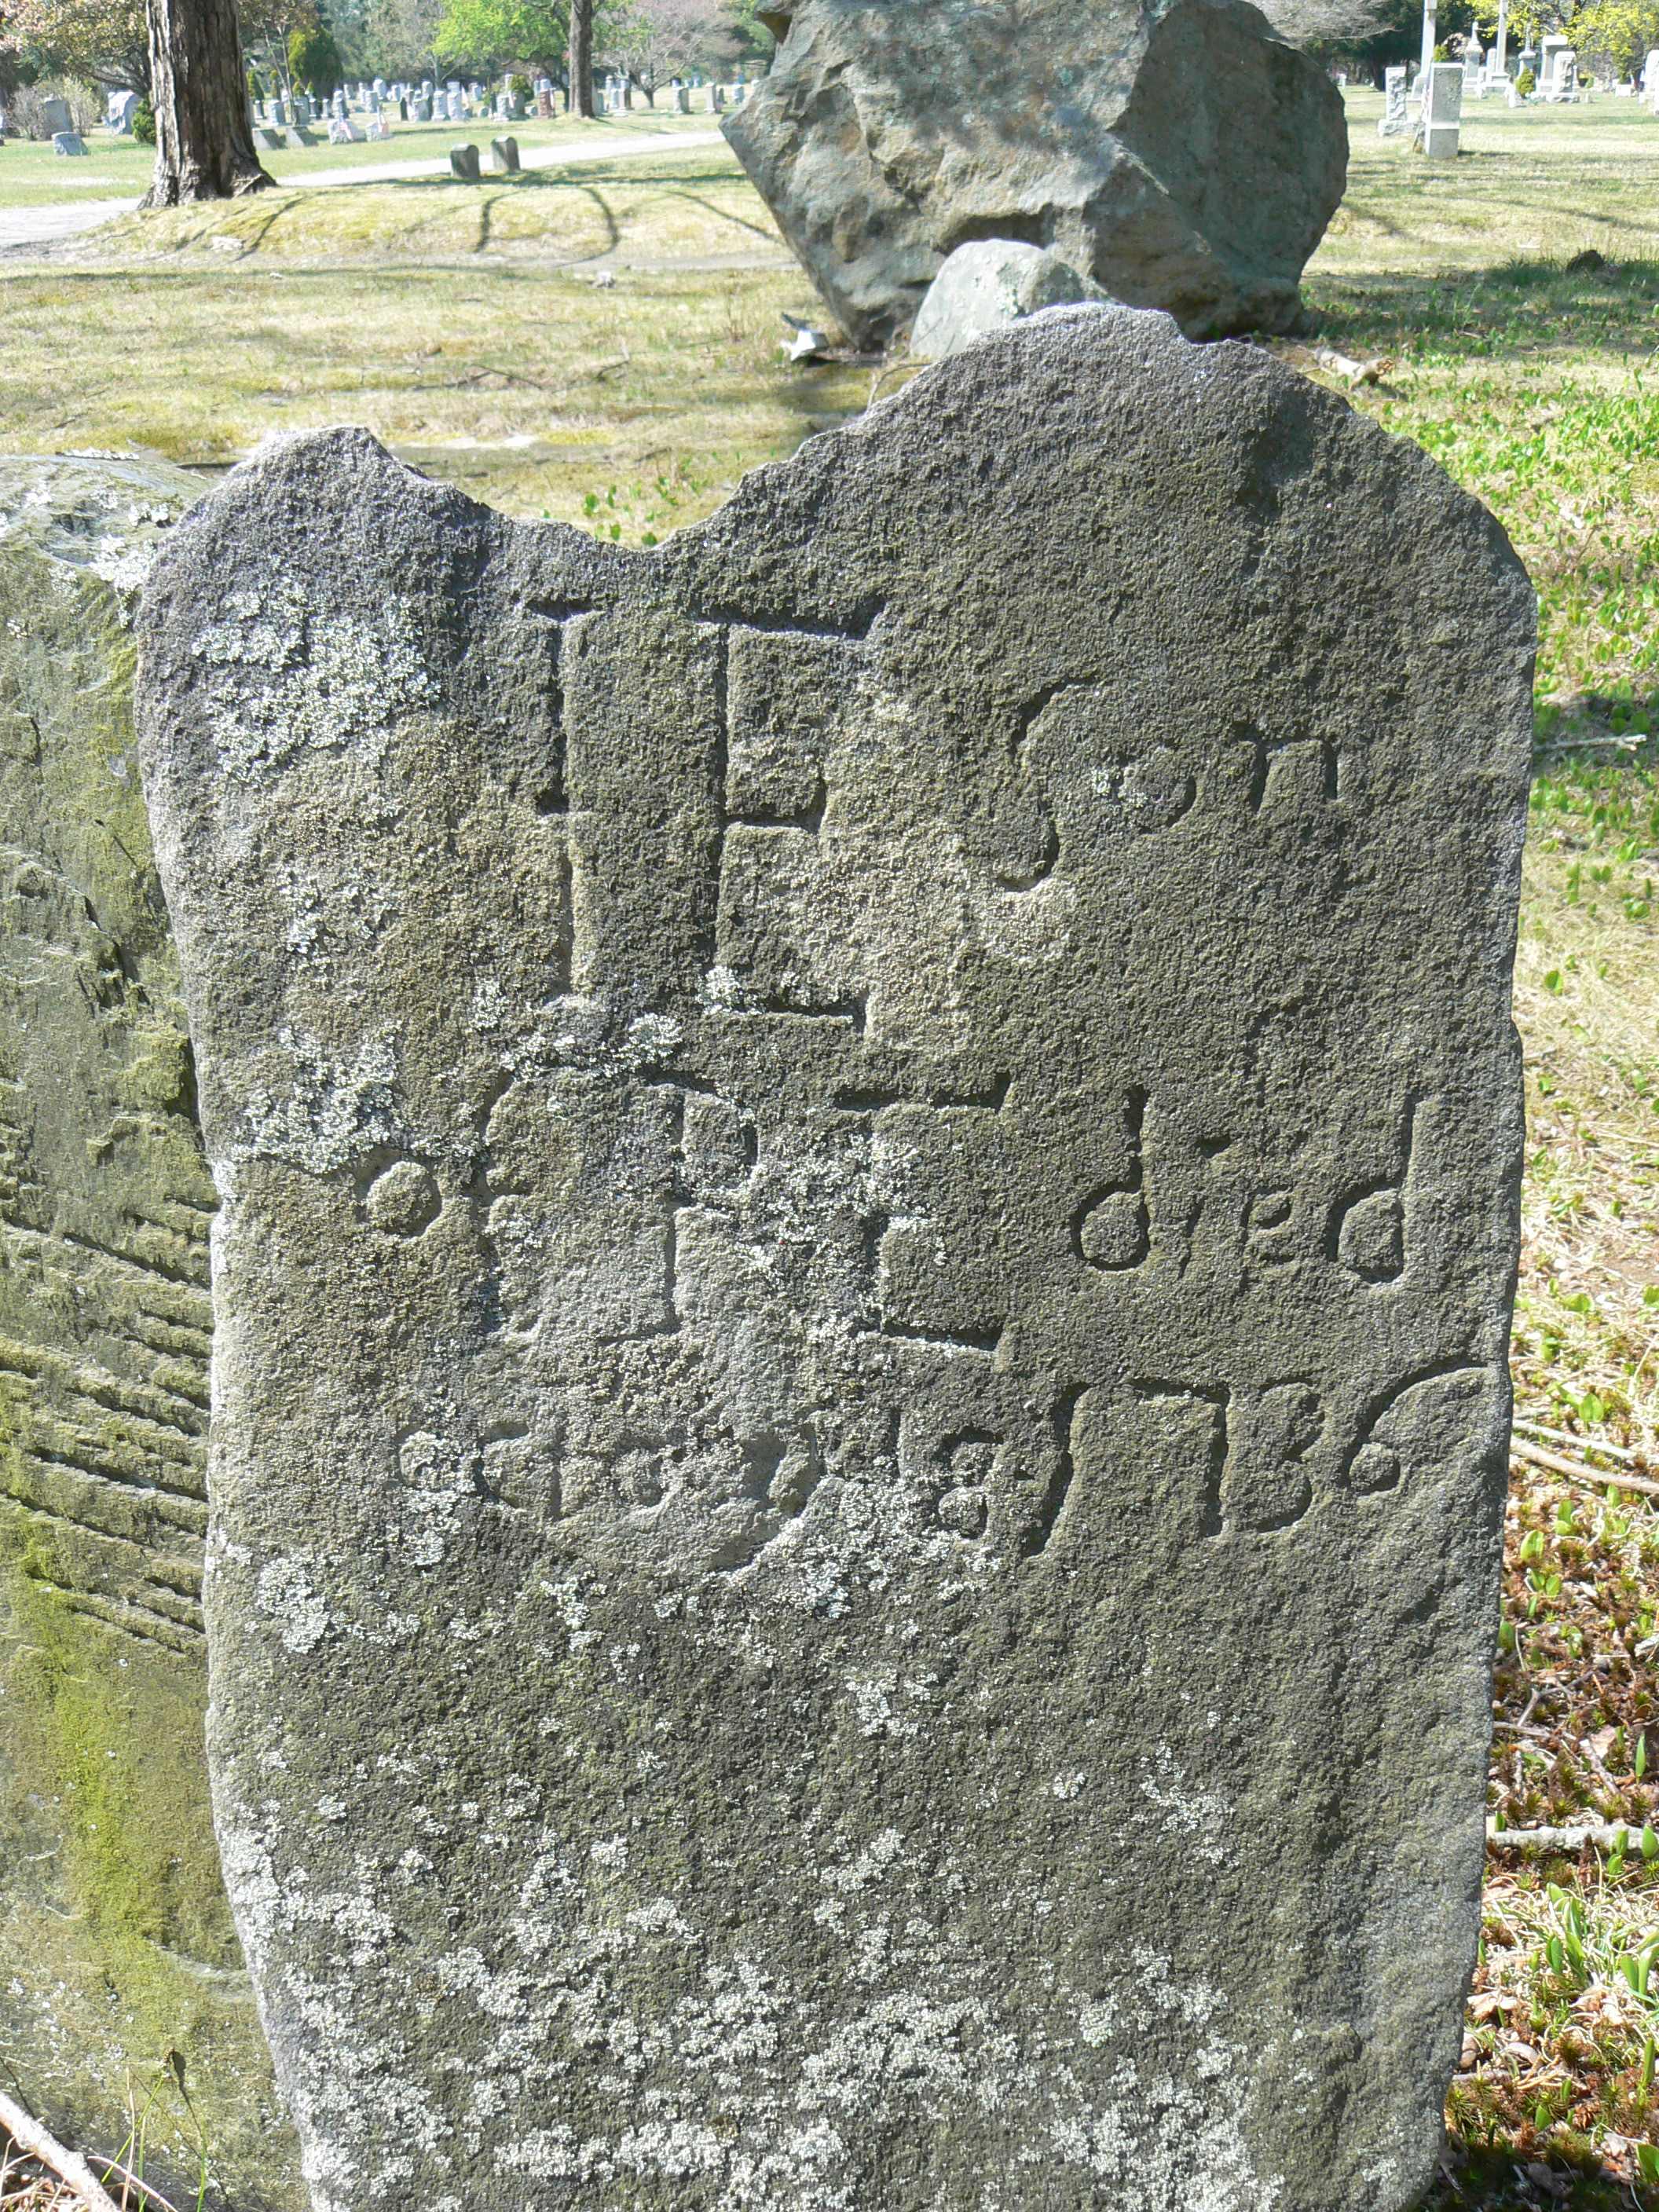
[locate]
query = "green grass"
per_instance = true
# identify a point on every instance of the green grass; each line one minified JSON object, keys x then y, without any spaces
{"x":32,"y":175}
{"x":463,"y":324}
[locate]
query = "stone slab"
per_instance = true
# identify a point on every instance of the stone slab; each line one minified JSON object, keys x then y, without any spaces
{"x":869,"y":1171}
{"x":119,"y":1963}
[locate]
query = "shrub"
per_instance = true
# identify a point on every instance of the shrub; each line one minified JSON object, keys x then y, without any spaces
{"x":1526,"y":84}
{"x":143,"y":123}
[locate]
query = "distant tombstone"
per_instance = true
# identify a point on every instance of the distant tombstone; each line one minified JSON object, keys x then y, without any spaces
{"x":55,"y":116}
{"x":454,"y":104}
{"x":422,"y":110}
{"x":68,"y":142}
{"x":1557,"y":59}
{"x":123,"y":106}
{"x":342,"y":132}
{"x":544,"y":103}
{"x":682,"y":99}
{"x":298,"y":136}
{"x":464,"y":164}
{"x":504,"y":156}
{"x":1443,"y":113}
{"x":376,"y":129}
{"x":1650,"y":79}
{"x":860,"y":1402}
{"x":716,"y":99}
{"x":338,"y":104}
{"x":1395,"y":121}
{"x":267,"y":141}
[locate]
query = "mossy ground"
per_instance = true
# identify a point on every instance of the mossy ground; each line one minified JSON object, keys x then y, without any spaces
{"x":463,"y":324}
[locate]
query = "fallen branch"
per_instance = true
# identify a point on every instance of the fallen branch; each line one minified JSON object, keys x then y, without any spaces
{"x":1599,"y":1478}
{"x":70,"y":2167}
{"x":1595,"y":1835}
{"x":1560,"y":1435}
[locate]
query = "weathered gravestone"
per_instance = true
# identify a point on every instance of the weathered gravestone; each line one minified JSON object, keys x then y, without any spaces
{"x":464,"y":164}
{"x":869,"y":1171}
{"x":118,"y":1966}
{"x":1181,"y":156}
{"x":1443,"y":113}
{"x":1394,"y":122}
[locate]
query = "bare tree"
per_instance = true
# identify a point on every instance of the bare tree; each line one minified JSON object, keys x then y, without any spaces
{"x":204,"y":139}
{"x":1327,"y":22}
{"x":656,"y":39}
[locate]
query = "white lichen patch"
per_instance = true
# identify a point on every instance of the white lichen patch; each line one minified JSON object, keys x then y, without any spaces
{"x":320,"y":1113}
{"x":284,"y":678}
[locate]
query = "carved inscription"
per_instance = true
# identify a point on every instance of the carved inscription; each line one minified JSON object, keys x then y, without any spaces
{"x":913,"y":1161}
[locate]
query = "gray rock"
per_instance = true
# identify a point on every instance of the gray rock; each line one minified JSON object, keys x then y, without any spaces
{"x":869,"y":1171}
{"x":1181,"y":156}
{"x":68,"y":142}
{"x":116,"y":1942}
{"x":464,"y":164}
{"x":985,"y":286}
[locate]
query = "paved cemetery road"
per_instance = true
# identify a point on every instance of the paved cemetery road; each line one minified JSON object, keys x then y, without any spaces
{"x":621,"y":147}
{"x":23,"y":230}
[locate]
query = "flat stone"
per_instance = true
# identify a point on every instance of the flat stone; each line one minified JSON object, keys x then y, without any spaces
{"x":869,"y":1173}
{"x":116,"y":1943}
{"x":983,"y":287}
{"x":1182,"y":157}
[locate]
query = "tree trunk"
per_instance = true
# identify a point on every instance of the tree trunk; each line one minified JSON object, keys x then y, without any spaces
{"x":203,"y":143}
{"x":581,"y":57}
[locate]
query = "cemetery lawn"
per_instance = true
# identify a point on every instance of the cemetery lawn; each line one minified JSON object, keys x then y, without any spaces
{"x":32,"y":174}
{"x":464,"y":325}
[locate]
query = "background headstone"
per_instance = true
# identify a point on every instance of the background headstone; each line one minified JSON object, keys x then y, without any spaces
{"x":1394,"y":122}
{"x":118,"y":1965}
{"x":464,"y":164}
{"x":1442,"y":116}
{"x":504,"y":156}
{"x":869,"y":1172}
{"x":1182,"y":157}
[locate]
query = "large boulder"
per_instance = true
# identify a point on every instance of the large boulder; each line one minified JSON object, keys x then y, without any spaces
{"x":1182,"y":156}
{"x":120,"y":1972}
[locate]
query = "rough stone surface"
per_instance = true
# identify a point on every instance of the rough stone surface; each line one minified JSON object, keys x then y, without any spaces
{"x":983,"y":287}
{"x":869,"y":1173}
{"x":1179,"y":154}
{"x":116,"y":1943}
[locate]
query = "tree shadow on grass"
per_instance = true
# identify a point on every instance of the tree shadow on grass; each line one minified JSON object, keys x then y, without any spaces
{"x":1518,"y":306}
